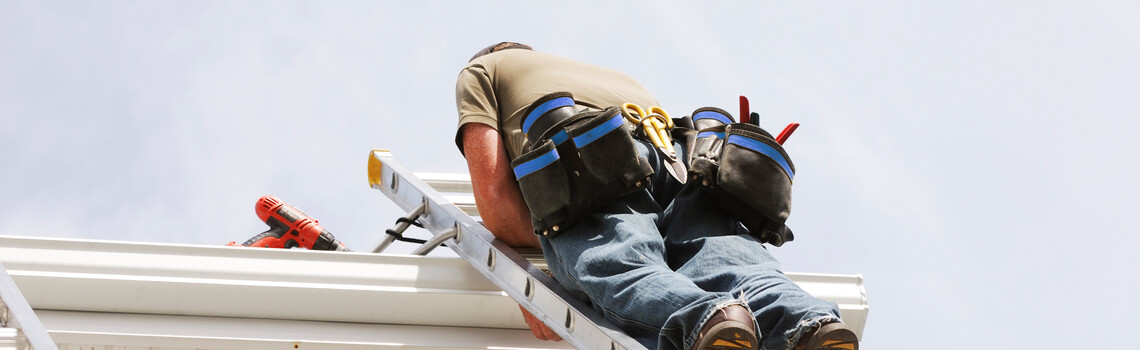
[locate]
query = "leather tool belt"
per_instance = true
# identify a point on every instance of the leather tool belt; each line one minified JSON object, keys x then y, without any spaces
{"x":574,"y":163}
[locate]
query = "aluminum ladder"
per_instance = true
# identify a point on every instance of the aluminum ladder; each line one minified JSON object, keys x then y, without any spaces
{"x":575,"y":321}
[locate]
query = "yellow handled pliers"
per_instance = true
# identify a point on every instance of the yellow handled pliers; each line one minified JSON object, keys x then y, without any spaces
{"x":655,"y":122}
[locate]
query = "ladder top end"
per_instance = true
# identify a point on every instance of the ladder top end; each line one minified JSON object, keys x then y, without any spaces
{"x":376,"y":167}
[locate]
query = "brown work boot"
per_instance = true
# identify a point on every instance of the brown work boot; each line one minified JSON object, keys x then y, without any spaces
{"x":831,"y":336}
{"x":730,"y":328}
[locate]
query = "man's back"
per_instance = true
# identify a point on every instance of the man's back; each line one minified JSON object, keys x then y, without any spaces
{"x":516,"y":78}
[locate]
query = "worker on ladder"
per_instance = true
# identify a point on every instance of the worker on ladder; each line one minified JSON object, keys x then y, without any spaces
{"x":549,"y":152}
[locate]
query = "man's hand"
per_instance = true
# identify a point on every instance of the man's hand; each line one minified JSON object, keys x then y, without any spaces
{"x":540,"y":330}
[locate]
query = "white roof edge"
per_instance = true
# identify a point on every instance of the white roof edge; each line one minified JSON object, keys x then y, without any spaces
{"x":85,"y":278}
{"x":101,"y":276}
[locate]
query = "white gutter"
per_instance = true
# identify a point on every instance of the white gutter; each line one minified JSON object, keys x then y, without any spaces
{"x":90,"y":294}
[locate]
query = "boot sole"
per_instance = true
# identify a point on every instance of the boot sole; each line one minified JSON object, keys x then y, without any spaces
{"x":833,"y":336}
{"x":729,"y":335}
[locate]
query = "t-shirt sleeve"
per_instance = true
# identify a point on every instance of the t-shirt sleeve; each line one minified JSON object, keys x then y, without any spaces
{"x":475,"y":100}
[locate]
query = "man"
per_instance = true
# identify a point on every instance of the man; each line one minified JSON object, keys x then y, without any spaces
{"x":663,"y":263}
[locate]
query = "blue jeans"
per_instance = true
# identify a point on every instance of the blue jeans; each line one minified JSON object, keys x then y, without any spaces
{"x":657,"y":263}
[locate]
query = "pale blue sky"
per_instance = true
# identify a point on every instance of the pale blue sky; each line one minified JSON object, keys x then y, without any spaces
{"x":973,"y":160}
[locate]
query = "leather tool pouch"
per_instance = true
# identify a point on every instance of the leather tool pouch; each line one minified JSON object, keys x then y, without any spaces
{"x":593,"y":164}
{"x":754,"y":182}
{"x":746,"y":170}
{"x":704,"y":155}
{"x":607,"y":150}
{"x":542,"y":177}
{"x":704,"y":148}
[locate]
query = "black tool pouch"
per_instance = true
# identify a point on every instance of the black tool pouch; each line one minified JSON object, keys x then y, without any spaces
{"x":704,"y":155}
{"x":607,"y":150}
{"x":582,"y":163}
{"x":546,"y":117}
{"x":754,"y":182}
{"x":542,"y":177}
{"x":704,"y":149}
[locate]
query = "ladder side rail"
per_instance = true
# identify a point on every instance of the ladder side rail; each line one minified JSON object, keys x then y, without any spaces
{"x":571,"y":318}
{"x":16,"y":312}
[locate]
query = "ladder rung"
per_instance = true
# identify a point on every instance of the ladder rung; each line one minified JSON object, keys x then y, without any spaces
{"x":466,"y":203}
{"x":445,"y":182}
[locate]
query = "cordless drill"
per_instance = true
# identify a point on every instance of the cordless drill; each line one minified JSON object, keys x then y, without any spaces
{"x":289,"y":228}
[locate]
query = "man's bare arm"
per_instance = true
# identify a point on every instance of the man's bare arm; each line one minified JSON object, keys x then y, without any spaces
{"x":497,"y":195}
{"x":500,"y":203}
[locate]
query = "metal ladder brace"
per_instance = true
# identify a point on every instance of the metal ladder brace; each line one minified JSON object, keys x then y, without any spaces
{"x":20,"y":329}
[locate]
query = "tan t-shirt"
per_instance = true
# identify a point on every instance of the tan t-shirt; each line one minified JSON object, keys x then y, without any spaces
{"x":496,"y":90}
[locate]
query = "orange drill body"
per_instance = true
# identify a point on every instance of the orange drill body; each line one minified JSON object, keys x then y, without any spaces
{"x":290,"y":228}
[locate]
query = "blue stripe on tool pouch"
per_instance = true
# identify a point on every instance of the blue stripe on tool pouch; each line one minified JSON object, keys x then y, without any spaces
{"x":543,"y":108}
{"x":533,"y":165}
{"x":764,"y":149}
{"x":712,"y":115}
{"x":559,"y":138}
{"x":719,"y":135}
{"x":599,"y":131}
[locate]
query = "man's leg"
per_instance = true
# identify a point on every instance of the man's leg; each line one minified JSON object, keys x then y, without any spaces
{"x":711,"y":248}
{"x":615,"y":258}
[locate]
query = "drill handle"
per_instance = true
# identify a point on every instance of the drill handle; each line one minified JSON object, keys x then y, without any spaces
{"x":271,"y":238}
